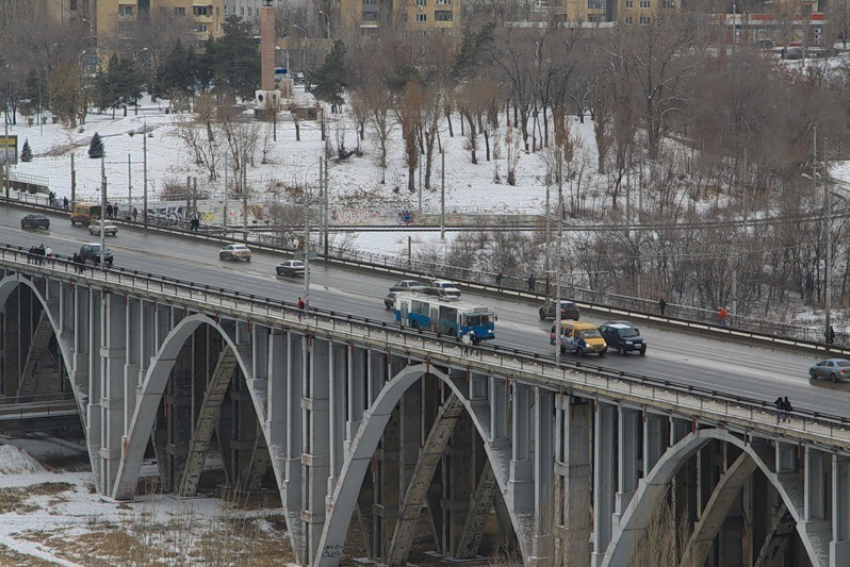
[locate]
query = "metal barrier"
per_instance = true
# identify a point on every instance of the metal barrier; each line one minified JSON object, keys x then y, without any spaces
{"x":589,"y":380}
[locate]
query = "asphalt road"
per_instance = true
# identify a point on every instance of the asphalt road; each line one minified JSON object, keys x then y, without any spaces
{"x":727,"y":366}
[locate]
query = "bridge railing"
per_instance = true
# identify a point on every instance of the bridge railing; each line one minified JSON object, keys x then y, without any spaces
{"x":687,"y":401}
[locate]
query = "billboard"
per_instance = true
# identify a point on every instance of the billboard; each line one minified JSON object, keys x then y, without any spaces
{"x":9,"y":149}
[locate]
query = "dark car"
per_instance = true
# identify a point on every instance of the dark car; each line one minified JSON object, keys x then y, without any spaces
{"x":290,"y":268}
{"x":35,"y":221}
{"x":623,"y":336}
{"x":91,"y":253}
{"x":389,"y":300}
{"x":569,"y":310}
{"x":834,"y":369}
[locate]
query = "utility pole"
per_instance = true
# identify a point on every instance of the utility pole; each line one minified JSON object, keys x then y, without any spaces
{"x":73,"y":184}
{"x":129,"y":186}
{"x":327,"y":196}
{"x":226,"y":196}
{"x":307,"y":249}
{"x":102,"y":212}
{"x":443,"y":194}
{"x":558,"y":337}
{"x":145,"y":178}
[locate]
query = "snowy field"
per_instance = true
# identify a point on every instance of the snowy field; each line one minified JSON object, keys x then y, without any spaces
{"x":353,"y":183}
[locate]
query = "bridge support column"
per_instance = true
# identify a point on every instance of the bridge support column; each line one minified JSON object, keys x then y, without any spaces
{"x":458,"y":481}
{"x":655,"y":438}
{"x":544,"y":464}
{"x":132,"y":377}
{"x":315,"y":459}
{"x":112,"y":356}
{"x":94,"y":387}
{"x":839,"y":547}
{"x":573,"y":485}
{"x":520,"y":484}
{"x":173,"y":447}
{"x":628,"y":437}
{"x":604,"y":478}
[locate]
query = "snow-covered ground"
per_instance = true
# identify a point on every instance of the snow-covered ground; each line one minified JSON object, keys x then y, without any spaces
{"x":354,"y":184}
{"x":52,"y":515}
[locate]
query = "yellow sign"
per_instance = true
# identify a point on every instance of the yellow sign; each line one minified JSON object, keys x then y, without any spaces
{"x":9,"y":149}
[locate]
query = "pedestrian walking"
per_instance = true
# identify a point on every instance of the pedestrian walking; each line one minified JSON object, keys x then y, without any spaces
{"x":780,"y":409}
{"x":302,"y":307}
{"x":786,"y":405}
{"x":65,"y":203}
{"x":830,"y":335}
{"x":80,"y":263}
{"x":532,"y":283}
{"x":499,"y":279}
{"x":135,"y":214}
{"x":723,"y":316}
{"x":662,"y":305}
{"x":48,"y":253}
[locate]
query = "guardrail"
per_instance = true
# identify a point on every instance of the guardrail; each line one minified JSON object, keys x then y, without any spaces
{"x":675,"y":313}
{"x":37,"y":410}
{"x":687,"y":401}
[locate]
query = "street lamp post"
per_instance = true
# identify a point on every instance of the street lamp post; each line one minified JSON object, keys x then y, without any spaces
{"x":327,"y":24}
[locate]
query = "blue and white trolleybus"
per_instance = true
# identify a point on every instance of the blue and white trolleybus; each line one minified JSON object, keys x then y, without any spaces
{"x":446,"y":315}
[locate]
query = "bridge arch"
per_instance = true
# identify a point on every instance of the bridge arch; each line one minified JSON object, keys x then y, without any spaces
{"x":636,"y":517}
{"x":7,"y":286}
{"x":153,"y":388}
{"x":364,"y":445}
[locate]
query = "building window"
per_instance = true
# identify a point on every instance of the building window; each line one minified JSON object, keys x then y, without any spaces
{"x":422,"y":33}
{"x":201,"y":28}
{"x":443,"y":2}
{"x":629,"y":20}
{"x":405,"y":33}
{"x":596,"y":5}
{"x":179,"y":11}
{"x":125,"y":27}
{"x":630,"y":4}
{"x":443,"y":16}
{"x":420,"y":3}
{"x":242,"y":11}
{"x":201,"y":10}
{"x":250,"y":11}
{"x":421,"y":17}
{"x":402,"y":17}
{"x":644,"y":20}
{"x":668,"y":4}
{"x":124,"y":10}
{"x":370,"y":2}
{"x":644,"y":4}
{"x":371,"y":16}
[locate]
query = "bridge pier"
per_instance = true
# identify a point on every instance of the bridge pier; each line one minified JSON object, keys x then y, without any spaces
{"x":604,"y":478}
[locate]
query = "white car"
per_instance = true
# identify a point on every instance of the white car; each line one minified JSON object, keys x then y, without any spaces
{"x":110,"y":228}
{"x":442,"y":288}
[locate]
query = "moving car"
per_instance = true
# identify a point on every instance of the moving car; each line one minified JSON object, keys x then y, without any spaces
{"x":569,"y":310}
{"x":35,"y":221}
{"x":389,"y":300}
{"x":234,"y":252}
{"x":110,"y":228}
{"x":408,"y":285}
{"x":442,"y":288}
{"x":290,"y":268}
{"x":91,"y":253}
{"x":579,"y":338}
{"x":623,"y":336}
{"x":833,"y":368}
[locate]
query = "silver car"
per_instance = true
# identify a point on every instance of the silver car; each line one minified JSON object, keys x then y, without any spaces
{"x":408,"y":285}
{"x":833,"y":368}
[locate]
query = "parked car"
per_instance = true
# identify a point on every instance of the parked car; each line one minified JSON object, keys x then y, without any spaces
{"x":569,"y":310}
{"x":110,"y":228}
{"x":389,"y":300}
{"x":442,"y":288}
{"x":35,"y":221}
{"x":234,"y":252}
{"x":833,"y":368}
{"x":408,"y":285}
{"x":91,"y":253}
{"x":623,"y":336}
{"x":290,"y":268}
{"x":579,"y":338}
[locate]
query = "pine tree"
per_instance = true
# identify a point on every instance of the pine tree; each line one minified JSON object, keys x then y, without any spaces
{"x":26,"y":152}
{"x":96,"y":149}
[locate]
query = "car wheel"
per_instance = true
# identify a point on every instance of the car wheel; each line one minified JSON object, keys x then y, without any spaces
{"x":542,"y":314}
{"x":580,"y":352}
{"x":833,"y":377}
{"x":643,"y":352}
{"x":621,"y":349}
{"x":248,"y":259}
{"x":813,"y":375}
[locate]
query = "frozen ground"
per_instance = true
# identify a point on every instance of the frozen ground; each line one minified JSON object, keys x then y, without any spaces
{"x":51,"y":515}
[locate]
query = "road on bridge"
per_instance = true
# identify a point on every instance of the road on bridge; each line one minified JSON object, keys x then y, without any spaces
{"x":730,"y":367}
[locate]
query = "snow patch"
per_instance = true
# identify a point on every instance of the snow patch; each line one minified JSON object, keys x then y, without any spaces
{"x":16,"y":461}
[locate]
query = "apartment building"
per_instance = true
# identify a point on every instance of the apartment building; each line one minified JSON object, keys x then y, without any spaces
{"x":117,"y":19}
{"x":409,"y":18}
